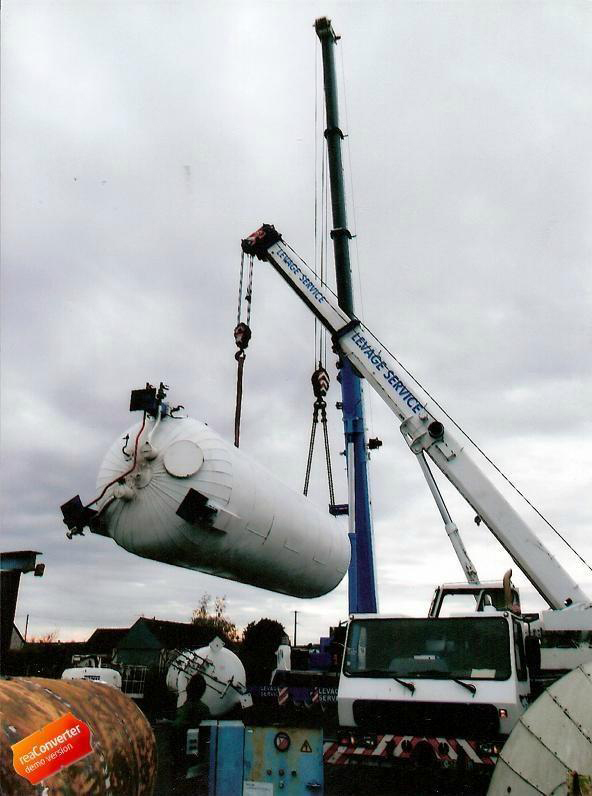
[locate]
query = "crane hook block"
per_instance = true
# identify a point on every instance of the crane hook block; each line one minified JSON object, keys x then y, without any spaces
{"x":242,"y":335}
{"x":320,"y":382}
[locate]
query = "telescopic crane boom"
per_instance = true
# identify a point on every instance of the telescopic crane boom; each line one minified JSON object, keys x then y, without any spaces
{"x":421,"y":429}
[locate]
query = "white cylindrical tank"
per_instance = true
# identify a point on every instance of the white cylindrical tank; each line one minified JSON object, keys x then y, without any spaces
{"x":98,"y":674}
{"x":222,"y":670}
{"x":251,"y":528}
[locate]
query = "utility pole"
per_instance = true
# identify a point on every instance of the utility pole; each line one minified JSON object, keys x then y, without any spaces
{"x":362,"y":579}
{"x":295,"y":624}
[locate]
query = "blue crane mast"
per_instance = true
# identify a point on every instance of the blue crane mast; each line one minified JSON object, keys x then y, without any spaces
{"x":362,"y":577}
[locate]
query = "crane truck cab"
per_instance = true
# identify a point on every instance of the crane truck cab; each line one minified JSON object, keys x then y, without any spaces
{"x":564,"y":636}
{"x":453,"y":598}
{"x":458,"y":684}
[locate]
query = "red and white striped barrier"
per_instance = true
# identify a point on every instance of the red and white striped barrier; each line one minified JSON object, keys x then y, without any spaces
{"x":445,"y":750}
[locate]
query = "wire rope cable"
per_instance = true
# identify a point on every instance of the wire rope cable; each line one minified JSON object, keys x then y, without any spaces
{"x":240,"y":288}
{"x":249,"y":293}
{"x":242,"y":336}
{"x":316,"y":181}
{"x":320,"y":208}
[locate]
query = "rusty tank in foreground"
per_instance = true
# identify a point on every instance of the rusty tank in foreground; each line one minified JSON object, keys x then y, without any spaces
{"x":123,"y":760}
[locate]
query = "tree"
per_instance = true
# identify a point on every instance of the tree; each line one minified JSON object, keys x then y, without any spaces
{"x":260,"y":642}
{"x":217,"y":621}
{"x":50,"y":637}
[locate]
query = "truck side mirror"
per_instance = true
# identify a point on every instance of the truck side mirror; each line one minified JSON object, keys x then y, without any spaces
{"x":532,"y":648}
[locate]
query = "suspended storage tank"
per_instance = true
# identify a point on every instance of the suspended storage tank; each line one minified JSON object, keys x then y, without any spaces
{"x":194,"y":500}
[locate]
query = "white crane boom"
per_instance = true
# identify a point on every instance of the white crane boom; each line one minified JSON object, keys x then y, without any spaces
{"x":423,"y":432}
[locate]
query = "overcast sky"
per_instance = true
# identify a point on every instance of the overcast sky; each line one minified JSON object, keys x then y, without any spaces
{"x":142,"y":140}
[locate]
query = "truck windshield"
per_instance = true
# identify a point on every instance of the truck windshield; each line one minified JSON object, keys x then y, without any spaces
{"x":467,"y":648}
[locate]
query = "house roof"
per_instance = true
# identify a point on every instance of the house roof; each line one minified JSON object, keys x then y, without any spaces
{"x":105,"y":639}
{"x":18,"y":632}
{"x":176,"y":635}
{"x":19,"y":560}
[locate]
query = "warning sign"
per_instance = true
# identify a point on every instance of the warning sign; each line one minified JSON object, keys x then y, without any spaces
{"x":306,"y":747}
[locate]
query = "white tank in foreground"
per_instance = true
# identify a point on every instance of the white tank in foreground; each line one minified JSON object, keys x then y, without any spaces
{"x":223,"y":673}
{"x":239,"y":522}
{"x":550,"y":748}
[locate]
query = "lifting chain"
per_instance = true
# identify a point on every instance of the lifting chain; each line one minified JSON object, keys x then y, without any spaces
{"x":320,"y":386}
{"x":242,"y":336}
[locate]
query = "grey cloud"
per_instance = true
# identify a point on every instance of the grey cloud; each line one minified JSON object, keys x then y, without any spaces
{"x":142,"y":141}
